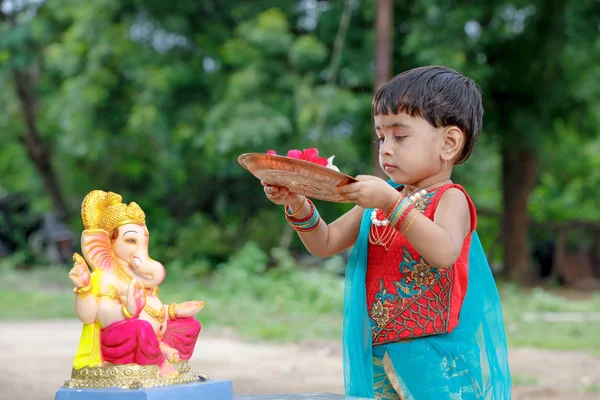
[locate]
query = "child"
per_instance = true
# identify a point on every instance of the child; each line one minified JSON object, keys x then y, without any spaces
{"x":422,"y":315}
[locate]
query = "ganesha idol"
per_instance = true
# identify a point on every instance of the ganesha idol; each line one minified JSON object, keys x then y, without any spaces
{"x":130,"y":338}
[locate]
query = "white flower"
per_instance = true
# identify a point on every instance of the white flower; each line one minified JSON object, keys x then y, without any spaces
{"x":330,"y":164}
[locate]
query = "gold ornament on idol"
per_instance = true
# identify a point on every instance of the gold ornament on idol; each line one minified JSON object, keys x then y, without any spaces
{"x":159,"y":315}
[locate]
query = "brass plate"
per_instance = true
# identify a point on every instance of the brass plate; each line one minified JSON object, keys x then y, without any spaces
{"x":302,"y":177}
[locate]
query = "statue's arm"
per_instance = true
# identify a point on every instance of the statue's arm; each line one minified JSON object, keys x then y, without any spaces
{"x":109,"y":312}
{"x":86,"y":308}
{"x":113,"y":308}
{"x":85,"y":284}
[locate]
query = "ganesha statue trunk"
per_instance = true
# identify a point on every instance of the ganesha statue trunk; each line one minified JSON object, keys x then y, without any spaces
{"x":130,"y":338}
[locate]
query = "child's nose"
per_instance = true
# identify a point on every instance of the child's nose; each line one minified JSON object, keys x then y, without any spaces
{"x":385,"y":149}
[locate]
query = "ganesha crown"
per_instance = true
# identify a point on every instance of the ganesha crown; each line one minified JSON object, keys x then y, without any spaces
{"x":104,"y":210}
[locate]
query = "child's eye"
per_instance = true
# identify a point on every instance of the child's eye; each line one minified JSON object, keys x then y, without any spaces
{"x":399,"y":138}
{"x":379,"y":140}
{"x":132,"y":241}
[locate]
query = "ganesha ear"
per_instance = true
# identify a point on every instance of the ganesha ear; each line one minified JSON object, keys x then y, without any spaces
{"x":97,"y":250}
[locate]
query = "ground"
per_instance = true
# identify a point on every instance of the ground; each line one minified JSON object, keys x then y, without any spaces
{"x":37,"y":357}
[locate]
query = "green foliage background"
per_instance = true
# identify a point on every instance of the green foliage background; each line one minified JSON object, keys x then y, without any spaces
{"x":156,"y":100}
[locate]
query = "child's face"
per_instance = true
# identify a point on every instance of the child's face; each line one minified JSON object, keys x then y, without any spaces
{"x":409,"y":147}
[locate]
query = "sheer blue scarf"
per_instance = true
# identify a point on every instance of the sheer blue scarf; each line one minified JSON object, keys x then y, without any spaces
{"x":470,"y":362}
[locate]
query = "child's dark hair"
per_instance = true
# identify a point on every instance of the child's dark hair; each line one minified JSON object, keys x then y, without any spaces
{"x":440,"y":95}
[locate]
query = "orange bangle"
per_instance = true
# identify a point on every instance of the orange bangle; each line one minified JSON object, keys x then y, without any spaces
{"x":410,"y":223}
{"x":297,"y":212}
{"x":389,"y":213}
{"x":309,"y":230}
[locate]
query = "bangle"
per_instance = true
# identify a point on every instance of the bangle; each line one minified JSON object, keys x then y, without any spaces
{"x":83,"y":290}
{"x":308,"y":224}
{"x":410,"y":223}
{"x":310,"y":229}
{"x":405,"y":213}
{"x":172,"y":311}
{"x":399,"y":211}
{"x":126,"y":312}
{"x":390,"y":212}
{"x":303,"y":221}
{"x":289,"y":214}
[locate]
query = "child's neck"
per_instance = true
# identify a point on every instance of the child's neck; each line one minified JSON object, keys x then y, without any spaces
{"x":431,"y":182}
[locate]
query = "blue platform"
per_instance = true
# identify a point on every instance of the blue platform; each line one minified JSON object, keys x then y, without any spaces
{"x":209,"y":390}
{"x":296,"y":396}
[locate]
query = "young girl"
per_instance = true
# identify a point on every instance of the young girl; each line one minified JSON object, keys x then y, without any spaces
{"x":422,"y":315}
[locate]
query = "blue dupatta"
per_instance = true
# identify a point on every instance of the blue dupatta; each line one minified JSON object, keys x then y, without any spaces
{"x":470,"y":362}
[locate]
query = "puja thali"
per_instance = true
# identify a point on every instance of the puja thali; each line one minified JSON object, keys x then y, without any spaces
{"x":299,"y":176}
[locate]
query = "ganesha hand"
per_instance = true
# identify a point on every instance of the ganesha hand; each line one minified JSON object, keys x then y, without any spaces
{"x":79,"y":274}
{"x":187,"y":309}
{"x":136,"y":299}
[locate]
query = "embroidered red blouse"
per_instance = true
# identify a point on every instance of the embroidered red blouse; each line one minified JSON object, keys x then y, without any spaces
{"x":407,"y":297}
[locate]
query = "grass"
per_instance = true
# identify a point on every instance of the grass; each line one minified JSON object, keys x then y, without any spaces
{"x":518,"y":302}
{"x":589,"y":389}
{"x":291,"y":305}
{"x":287,"y":304}
{"x":47,"y":293}
{"x":524,"y":380}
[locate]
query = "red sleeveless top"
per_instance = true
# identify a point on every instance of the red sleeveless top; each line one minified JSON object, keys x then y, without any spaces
{"x":408,"y":298}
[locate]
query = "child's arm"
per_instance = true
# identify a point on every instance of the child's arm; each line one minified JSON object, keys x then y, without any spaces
{"x":439,"y":241}
{"x":328,"y":239}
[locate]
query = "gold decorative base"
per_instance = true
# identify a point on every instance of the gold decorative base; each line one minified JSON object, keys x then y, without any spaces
{"x":131,"y":376}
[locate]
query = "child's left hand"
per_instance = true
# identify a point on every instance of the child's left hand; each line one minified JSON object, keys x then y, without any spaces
{"x":370,"y":192}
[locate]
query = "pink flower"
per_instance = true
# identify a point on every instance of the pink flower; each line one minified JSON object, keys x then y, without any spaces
{"x":295,"y":154}
{"x":311,"y":155}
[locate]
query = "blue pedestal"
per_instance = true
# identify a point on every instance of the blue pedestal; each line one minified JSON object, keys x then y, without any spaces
{"x":209,"y":390}
{"x":296,"y":396}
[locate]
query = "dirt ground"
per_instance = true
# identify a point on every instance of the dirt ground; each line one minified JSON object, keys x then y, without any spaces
{"x":37,"y":357}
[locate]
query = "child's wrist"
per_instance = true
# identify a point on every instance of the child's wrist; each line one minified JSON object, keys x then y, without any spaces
{"x":304,"y":221}
{"x":398,"y":210}
{"x":392,"y":204}
{"x":297,"y":203}
{"x":296,"y":208}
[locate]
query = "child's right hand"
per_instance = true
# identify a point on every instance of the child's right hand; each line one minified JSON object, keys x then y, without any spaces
{"x":280,"y":195}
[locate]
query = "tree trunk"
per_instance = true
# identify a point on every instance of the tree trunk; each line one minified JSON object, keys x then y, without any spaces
{"x":560,"y":250}
{"x":519,"y":171}
{"x":384,"y":16}
{"x":37,"y":150}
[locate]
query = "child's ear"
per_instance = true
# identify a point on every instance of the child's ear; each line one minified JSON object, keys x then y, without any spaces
{"x":454,"y":141}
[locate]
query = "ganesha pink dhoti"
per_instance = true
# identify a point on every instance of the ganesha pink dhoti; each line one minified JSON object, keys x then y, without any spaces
{"x":181,"y":335}
{"x":134,"y":341}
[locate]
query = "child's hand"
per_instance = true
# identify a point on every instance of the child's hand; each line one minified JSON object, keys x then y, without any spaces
{"x":370,"y":192}
{"x":280,"y":195}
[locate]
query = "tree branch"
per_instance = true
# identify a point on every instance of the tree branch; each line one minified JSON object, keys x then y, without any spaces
{"x":35,"y":146}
